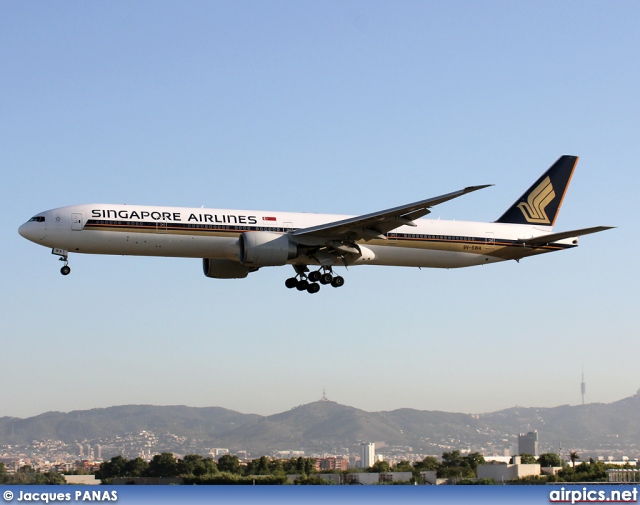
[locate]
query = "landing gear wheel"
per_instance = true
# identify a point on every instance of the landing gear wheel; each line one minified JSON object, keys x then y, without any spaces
{"x":313,"y":287}
{"x":65,"y":270}
{"x":303,"y":284}
{"x":337,"y":282}
{"x":291,"y":282}
{"x":326,"y":278}
{"x":314,"y":276}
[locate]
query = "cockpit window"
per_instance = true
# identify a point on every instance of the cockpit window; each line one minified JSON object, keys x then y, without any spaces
{"x":37,"y":219}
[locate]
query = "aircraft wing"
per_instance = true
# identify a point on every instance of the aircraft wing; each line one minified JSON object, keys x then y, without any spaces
{"x":376,"y":224}
{"x":554,"y":237}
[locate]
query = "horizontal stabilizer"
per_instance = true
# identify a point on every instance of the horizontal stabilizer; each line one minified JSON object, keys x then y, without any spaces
{"x":554,"y":237}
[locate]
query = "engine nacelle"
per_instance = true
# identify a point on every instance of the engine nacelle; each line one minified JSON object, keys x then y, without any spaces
{"x":366,"y":255}
{"x":266,"y":249}
{"x":225,"y":269}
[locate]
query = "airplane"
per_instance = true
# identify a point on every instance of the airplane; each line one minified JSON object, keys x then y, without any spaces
{"x":234,"y":243}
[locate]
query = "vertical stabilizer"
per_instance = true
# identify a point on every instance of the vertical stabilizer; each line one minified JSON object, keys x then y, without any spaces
{"x":541,"y":203}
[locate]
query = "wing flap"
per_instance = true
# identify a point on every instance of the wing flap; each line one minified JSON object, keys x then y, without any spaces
{"x":376,"y":224}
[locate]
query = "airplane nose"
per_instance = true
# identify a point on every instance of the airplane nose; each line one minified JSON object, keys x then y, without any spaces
{"x":23,"y":230}
{"x":35,"y":229}
{"x":30,"y":231}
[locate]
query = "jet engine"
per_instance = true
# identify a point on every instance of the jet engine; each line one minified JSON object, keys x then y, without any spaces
{"x":264,"y":249}
{"x":225,"y":269}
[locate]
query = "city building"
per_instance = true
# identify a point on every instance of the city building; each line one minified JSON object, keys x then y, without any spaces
{"x":362,"y":478}
{"x":431,"y":477}
{"x":216,"y":452}
{"x":367,"y":454}
{"x":623,"y":475}
{"x":82,"y":480}
{"x":395,"y":477}
{"x":331,"y":478}
{"x":528,"y":444}
{"x":501,"y":472}
{"x":332,"y":463}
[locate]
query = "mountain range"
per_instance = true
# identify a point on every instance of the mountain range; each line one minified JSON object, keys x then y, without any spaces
{"x":326,"y":426}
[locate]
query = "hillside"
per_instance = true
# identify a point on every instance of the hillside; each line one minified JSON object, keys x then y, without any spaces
{"x":97,"y":423}
{"x":328,"y":426}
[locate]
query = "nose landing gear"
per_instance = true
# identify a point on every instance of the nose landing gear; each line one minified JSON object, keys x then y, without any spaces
{"x":64,"y":256}
{"x":66,"y":269}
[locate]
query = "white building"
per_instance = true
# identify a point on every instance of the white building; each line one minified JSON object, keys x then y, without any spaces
{"x":362,"y":478}
{"x":82,"y":480}
{"x":501,"y":472}
{"x":395,"y":477}
{"x":216,"y":452}
{"x":367,"y":454}
{"x":623,"y":475}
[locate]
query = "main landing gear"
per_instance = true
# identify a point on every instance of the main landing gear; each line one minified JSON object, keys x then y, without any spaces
{"x":311,"y":282}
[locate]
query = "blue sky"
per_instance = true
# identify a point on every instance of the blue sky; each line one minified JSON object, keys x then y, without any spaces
{"x":345,"y":107}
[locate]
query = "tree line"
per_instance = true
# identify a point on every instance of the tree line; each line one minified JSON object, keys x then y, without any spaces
{"x":194,"y":468}
{"x":228,"y":469}
{"x":197,"y":469}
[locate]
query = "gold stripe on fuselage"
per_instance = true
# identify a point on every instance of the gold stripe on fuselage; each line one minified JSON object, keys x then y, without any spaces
{"x":476,"y":246}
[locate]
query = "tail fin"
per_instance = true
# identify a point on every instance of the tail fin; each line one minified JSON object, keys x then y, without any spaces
{"x":541,"y":203}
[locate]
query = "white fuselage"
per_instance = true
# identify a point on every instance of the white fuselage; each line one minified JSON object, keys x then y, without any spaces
{"x":214,"y":233}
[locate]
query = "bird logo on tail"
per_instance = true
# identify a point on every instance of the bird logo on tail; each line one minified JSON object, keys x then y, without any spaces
{"x":534,"y":208}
